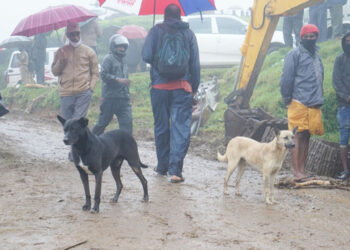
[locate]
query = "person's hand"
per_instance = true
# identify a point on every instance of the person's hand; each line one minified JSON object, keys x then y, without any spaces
{"x":348,"y":99}
{"x":125,"y":81}
{"x":61,"y":56}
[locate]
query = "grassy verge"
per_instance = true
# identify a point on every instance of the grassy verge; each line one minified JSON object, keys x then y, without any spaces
{"x":266,"y":95}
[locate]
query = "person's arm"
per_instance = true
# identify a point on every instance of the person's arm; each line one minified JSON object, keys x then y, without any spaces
{"x":149,"y":46}
{"x":59,"y":62}
{"x":93,"y":70}
{"x":107,"y":75}
{"x":288,"y":77}
{"x":337,"y":82}
{"x":194,"y":63}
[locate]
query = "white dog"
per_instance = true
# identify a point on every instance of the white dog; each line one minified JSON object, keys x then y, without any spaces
{"x":265,"y":157}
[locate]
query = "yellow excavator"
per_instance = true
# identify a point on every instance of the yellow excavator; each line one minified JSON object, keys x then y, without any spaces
{"x":240,"y":119}
{"x":264,"y":18}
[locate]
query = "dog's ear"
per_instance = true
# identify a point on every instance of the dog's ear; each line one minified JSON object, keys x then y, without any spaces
{"x":295,"y":130}
{"x":61,"y":119}
{"x":276,"y":131}
{"x":83,"y":122}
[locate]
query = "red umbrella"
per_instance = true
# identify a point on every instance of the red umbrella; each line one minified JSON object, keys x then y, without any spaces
{"x":133,"y":31}
{"x":51,"y":18}
{"x":152,"y":7}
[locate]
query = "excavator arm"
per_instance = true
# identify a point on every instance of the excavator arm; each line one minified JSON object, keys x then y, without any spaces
{"x":264,"y":19}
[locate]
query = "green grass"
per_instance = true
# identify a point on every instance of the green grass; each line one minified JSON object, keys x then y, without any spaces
{"x":266,"y":93}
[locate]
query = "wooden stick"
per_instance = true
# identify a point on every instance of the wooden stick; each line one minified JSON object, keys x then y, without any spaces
{"x":313,"y":182}
{"x":78,"y":244}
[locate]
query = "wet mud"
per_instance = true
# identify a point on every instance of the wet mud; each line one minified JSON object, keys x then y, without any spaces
{"x":41,"y":196}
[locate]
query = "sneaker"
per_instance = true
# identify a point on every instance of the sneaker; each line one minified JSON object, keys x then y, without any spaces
{"x":343,"y":175}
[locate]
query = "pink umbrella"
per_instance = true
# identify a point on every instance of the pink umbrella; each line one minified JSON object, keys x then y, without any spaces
{"x":51,"y":18}
{"x":133,"y":31}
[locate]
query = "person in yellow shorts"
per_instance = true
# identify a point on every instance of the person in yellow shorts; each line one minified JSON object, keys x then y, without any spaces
{"x":301,"y":88}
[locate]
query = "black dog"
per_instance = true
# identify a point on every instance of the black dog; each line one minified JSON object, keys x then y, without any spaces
{"x":99,"y":152}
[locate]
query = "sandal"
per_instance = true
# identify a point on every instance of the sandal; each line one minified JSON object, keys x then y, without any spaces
{"x":177,"y":179}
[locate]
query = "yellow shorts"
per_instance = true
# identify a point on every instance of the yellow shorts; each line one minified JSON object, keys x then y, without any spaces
{"x":305,"y":118}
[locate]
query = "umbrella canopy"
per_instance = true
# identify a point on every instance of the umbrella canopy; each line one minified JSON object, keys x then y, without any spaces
{"x":52,"y":18}
{"x":152,"y":7}
{"x":133,"y":31}
{"x":16,"y":42}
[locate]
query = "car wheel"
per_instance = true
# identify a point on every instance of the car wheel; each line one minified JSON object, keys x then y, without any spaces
{"x":274,"y":47}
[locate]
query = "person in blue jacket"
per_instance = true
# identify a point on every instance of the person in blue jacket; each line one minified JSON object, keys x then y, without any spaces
{"x":172,"y":98}
{"x":341,"y":84}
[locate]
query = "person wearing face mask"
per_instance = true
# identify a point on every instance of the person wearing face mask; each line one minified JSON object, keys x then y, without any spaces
{"x":115,"y":87}
{"x":301,"y":86}
{"x":76,"y":66}
{"x":341,"y":85}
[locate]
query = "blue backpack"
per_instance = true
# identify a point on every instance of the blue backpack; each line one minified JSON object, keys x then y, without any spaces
{"x":173,"y":54}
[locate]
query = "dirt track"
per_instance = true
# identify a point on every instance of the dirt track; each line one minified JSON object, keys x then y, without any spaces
{"x":41,"y":196}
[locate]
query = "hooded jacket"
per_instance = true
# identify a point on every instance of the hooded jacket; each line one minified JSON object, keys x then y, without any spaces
{"x":111,"y":68}
{"x":341,"y":76}
{"x":302,"y":78}
{"x":150,"y":48}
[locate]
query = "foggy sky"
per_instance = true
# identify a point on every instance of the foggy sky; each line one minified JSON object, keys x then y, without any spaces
{"x":13,"y":11}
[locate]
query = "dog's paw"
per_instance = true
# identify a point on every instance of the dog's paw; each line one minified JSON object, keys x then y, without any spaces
{"x":93,"y":211}
{"x":145,"y":199}
{"x":238,"y":194}
{"x":268,"y":202}
{"x":274,"y":201}
{"x":86,"y":207}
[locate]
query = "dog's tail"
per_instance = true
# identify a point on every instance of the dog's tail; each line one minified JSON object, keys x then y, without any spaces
{"x":222,"y":158}
{"x":143,"y":165}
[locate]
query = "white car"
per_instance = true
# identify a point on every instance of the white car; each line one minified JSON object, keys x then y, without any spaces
{"x":220,"y":38}
{"x":13,"y":76}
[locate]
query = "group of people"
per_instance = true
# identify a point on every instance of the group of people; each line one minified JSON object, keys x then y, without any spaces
{"x":301,"y":88}
{"x":317,"y":16}
{"x":172,"y":89}
{"x":76,"y":66}
{"x":32,"y":60}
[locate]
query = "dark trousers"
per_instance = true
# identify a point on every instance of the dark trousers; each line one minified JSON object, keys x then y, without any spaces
{"x":292,"y":25}
{"x":172,"y":113}
{"x":40,"y":72}
{"x":113,"y":106}
{"x":318,"y":17}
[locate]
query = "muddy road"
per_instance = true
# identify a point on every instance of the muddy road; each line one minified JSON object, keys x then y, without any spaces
{"x":41,"y":196}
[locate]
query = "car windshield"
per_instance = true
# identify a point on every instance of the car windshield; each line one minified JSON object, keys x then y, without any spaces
{"x":230,"y":26}
{"x":200,"y":26}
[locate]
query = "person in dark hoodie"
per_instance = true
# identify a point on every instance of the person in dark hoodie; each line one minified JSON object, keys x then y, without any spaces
{"x":172,"y":93}
{"x":341,"y":84}
{"x":115,"y":87}
{"x":301,"y":88}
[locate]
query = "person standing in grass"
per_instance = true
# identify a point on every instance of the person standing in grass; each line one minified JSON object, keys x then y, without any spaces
{"x":115,"y":87}
{"x":301,"y":88}
{"x":341,"y":84}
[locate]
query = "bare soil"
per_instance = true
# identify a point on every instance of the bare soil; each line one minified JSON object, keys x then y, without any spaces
{"x":41,"y":196}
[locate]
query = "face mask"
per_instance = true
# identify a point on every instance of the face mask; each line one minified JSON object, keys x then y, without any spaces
{"x":308,"y":44}
{"x":346,"y":48}
{"x":118,"y":52}
{"x":75,"y":44}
